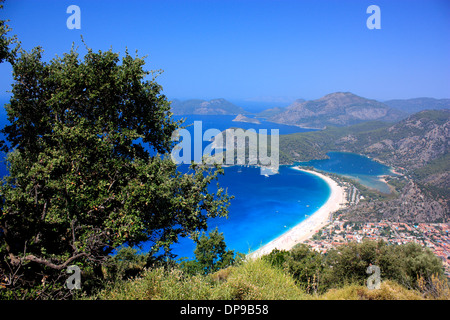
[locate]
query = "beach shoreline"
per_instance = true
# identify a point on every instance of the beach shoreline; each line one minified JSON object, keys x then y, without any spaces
{"x":308,"y":227}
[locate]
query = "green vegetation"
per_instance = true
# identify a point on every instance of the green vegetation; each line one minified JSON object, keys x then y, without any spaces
{"x":407,"y":272}
{"x":305,"y":146}
{"x":248,"y":281}
{"x":89,"y":174}
{"x":210,"y":254}
{"x":371,"y":193}
{"x":347,"y":264}
{"x":6,"y":53}
{"x":389,"y":290}
{"x":88,"y":144}
{"x":439,"y":186}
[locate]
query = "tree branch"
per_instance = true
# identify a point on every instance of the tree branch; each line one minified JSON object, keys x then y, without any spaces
{"x":47,"y":263}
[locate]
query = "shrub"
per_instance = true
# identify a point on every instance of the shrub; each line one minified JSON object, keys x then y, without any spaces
{"x":389,"y":290}
{"x":258,"y":279}
{"x":248,"y":281}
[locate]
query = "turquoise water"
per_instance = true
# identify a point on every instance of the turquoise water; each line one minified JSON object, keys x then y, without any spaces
{"x":263,"y":207}
{"x":361,"y":168}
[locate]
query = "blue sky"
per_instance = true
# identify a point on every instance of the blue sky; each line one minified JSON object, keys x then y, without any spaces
{"x":256,"y":50}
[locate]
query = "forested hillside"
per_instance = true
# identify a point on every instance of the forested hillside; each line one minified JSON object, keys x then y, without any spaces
{"x":417,"y":146}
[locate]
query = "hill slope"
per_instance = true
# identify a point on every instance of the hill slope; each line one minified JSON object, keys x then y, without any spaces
{"x":336,"y":109}
{"x":418,"y":145}
{"x":412,"y":143}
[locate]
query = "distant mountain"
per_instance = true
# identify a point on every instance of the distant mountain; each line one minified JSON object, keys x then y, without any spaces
{"x":415,"y":143}
{"x":418,"y":104}
{"x":336,"y":109}
{"x":211,"y":107}
{"x":411,"y":143}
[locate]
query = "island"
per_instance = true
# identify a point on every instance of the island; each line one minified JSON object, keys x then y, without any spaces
{"x":241,"y":118}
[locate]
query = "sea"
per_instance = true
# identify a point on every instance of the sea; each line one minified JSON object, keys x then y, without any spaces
{"x":264,"y":207}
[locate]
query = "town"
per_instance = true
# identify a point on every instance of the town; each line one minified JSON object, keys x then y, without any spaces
{"x":340,"y":231}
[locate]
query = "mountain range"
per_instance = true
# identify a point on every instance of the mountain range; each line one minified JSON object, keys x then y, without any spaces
{"x":418,"y":146}
{"x":336,"y":109}
{"x":411,"y":106}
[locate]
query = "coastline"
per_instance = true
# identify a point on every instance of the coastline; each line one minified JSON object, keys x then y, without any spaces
{"x":308,"y":227}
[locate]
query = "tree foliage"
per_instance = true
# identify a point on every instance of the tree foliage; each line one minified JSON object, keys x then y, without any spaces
{"x":347,"y":264}
{"x":211,"y":254}
{"x":6,"y":53}
{"x":87,"y":155}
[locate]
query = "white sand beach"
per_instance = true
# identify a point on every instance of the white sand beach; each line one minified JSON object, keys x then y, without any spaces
{"x":308,"y":227}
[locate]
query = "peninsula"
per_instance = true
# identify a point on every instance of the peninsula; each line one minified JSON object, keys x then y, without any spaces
{"x":241,"y":118}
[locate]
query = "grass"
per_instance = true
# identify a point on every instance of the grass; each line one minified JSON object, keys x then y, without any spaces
{"x":389,"y":290}
{"x":250,"y":280}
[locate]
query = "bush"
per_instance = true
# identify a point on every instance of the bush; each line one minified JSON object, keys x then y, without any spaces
{"x":347,"y":265}
{"x":407,"y":272}
{"x":248,"y":281}
{"x":258,"y":279}
{"x":302,"y":263}
{"x":434,"y":287}
{"x":125,"y":264}
{"x":211,"y":255}
{"x":417,"y":263}
{"x":389,"y":290}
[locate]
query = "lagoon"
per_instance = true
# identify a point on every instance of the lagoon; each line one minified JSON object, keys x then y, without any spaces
{"x":354,"y":166}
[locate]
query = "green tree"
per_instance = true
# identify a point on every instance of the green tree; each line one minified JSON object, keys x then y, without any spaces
{"x":277,"y":258}
{"x":302,"y":263}
{"x":403,"y":263}
{"x":348,"y":263}
{"x":417,"y":261}
{"x":306,"y":267}
{"x":125,"y":264}
{"x":6,"y":53}
{"x":89,"y":168}
{"x":211,"y":254}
